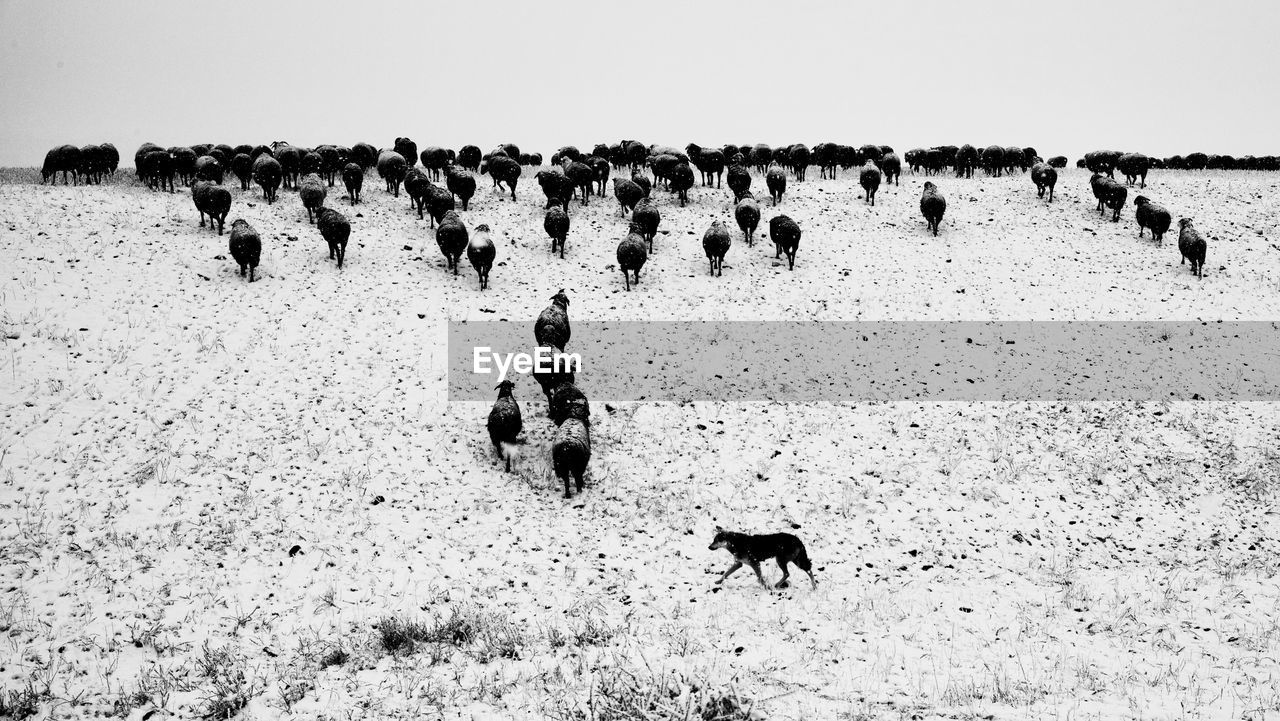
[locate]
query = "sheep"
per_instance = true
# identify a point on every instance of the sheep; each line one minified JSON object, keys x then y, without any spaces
{"x":64,"y":159}
{"x":159,"y":170}
{"x":785,"y":234}
{"x":870,"y":153}
{"x":1044,"y":176}
{"x":1195,"y":161}
{"x":461,"y":183}
{"x":212,"y":200}
{"x":415,"y":186}
{"x":407,"y":150}
{"x":481,"y":252}
{"x":776,"y":180}
{"x":452,"y":238}
{"x":1015,"y":158}
{"x":512,"y":151}
{"x":91,"y":166}
{"x":600,"y":172}
{"x":184,"y":163}
{"x":739,"y":181}
{"x":966,"y":161}
{"x":1135,"y":167}
{"x":632,"y":254}
{"x":364,"y":155}
{"x":681,"y":181}
{"x":636,"y":153}
{"x":566,"y":401}
{"x":715,"y":243}
{"x":469,"y":157}
{"x":891,"y":166}
{"x":312,"y":163}
{"x":434,"y":159}
{"x":242,"y":168}
{"x":627,"y":193}
{"x":747,"y":213}
{"x":1155,"y":217}
{"x":646,"y":216}
{"x":335,"y":230}
{"x":556,"y":223}
{"x":246,"y":247}
{"x":1109,"y":193}
{"x":312,"y":192}
{"x":1058,"y":161}
{"x":552,"y":327}
{"x":581,"y":176}
{"x":267,"y":173}
{"x":869,"y":179}
{"x":662,"y":166}
{"x":550,"y":377}
{"x":504,"y":422}
{"x":643,"y":181}
{"x":535,"y":159}
{"x":556,"y":186}
{"x":932,"y":205}
{"x":353,"y":178}
{"x":1192,"y":246}
{"x":290,"y":162}
{"x":439,"y":201}
{"x":710,"y":163}
{"x":571,"y":452}
{"x":139,"y":163}
{"x":331,"y":162}
{"x":111,"y":157}
{"x":993,"y":160}
{"x":799,"y":158}
{"x":503,"y":170}
{"x":392,"y":168}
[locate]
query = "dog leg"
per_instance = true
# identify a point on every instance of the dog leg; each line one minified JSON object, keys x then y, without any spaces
{"x":756,"y":567}
{"x":785,"y":574}
{"x":812,"y":580}
{"x":736,"y":565}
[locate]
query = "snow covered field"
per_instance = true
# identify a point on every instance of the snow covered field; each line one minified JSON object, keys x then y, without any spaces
{"x":221,"y":497}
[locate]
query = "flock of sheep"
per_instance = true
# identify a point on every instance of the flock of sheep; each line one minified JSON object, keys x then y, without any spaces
{"x":573,"y":174}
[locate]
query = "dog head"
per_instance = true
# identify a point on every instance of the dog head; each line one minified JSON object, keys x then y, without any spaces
{"x":721,"y":539}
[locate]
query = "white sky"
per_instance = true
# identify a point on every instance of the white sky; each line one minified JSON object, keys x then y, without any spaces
{"x":1066,"y":77}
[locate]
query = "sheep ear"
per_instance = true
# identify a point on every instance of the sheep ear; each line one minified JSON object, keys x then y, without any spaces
{"x":719,"y":529}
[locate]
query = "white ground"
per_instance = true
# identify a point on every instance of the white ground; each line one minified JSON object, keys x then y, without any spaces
{"x":170,"y":432}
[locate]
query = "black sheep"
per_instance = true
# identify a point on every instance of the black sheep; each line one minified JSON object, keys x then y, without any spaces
{"x":1135,"y":167}
{"x":392,"y":167}
{"x":556,"y":186}
{"x":552,"y":327}
{"x":646,"y":216}
{"x":452,"y":238}
{"x":312,"y":164}
{"x":1102,"y":161}
{"x":504,"y":422}
{"x":799,"y":158}
{"x":600,"y":172}
{"x":747,"y":213}
{"x":566,"y":401}
{"x":159,"y":170}
{"x":331,"y":162}
{"x":932,"y":206}
{"x":632,"y":254}
{"x":776,"y":180}
{"x":290,"y":162}
{"x":184,"y":163}
{"x":556,"y":223}
{"x":739,"y":181}
{"x":242,"y":167}
{"x":993,"y":160}
{"x":212,"y":200}
{"x":966,"y":161}
{"x":785,"y":234}
{"x":364,"y":155}
{"x":1109,"y":194}
{"x":571,"y":452}
{"x":434,"y":159}
{"x":643,"y":181}
{"x":407,"y":150}
{"x":1044,"y":177}
{"x":469,"y":158}
{"x":246,"y":247}
{"x":503,"y":170}
{"x":417,"y":186}
{"x":111,"y":157}
{"x":312,"y":193}
{"x":1155,"y":217}
{"x":1058,"y":161}
{"x":681,"y":181}
{"x":353,"y":178}
{"x":267,"y":173}
{"x":581,"y":176}
{"x":715,"y":243}
{"x":550,"y":376}
{"x":627,"y":193}
{"x":710,"y":164}
{"x":869,"y":179}
{"x":439,"y":201}
{"x":1192,"y":246}
{"x":482,"y":252}
{"x":335,"y":230}
{"x":461,"y":183}
{"x":891,"y":166}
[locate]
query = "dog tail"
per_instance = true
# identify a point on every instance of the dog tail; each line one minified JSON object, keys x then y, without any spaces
{"x":802,"y":560}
